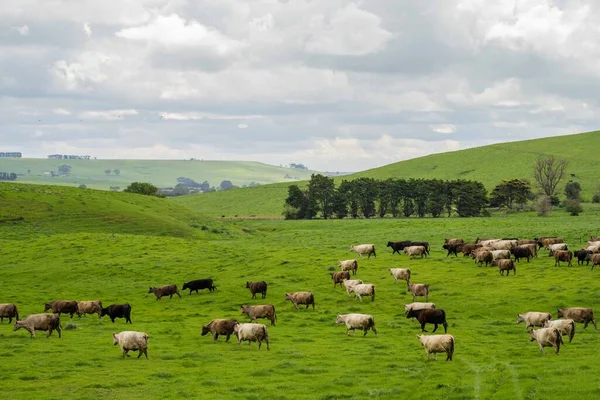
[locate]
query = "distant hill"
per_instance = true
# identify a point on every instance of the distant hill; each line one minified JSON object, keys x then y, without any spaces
{"x":161,"y":173}
{"x":487,"y":164}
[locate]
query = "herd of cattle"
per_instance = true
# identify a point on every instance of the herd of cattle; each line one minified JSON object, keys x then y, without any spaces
{"x":501,"y":252}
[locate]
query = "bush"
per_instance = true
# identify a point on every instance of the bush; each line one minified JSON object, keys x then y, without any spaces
{"x":543,"y":206}
{"x":573,"y":207}
{"x":144,"y":188}
{"x":596,"y":198}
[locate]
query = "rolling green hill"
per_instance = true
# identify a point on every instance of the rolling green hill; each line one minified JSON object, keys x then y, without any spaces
{"x":161,"y":173}
{"x":487,"y":164}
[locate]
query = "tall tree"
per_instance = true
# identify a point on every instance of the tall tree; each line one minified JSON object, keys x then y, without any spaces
{"x":573,"y":190}
{"x":141,"y":188}
{"x":510,"y":193}
{"x":471,"y":198}
{"x":64,"y":169}
{"x":322,"y":189}
{"x":548,"y":172}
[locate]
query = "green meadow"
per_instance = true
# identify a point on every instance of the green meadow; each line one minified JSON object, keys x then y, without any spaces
{"x":68,"y":243}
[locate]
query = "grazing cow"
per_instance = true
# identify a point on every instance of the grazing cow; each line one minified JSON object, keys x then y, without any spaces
{"x":363,"y":289}
{"x":413,"y":251}
{"x":296,"y":298}
{"x":8,"y":310}
{"x":251,"y":333}
{"x":356,"y":321}
{"x":350,"y":283}
{"x":339,"y":277}
{"x":199,"y":284}
{"x":132,"y":340}
{"x":418,"y":289}
{"x":547,"y":337}
{"x":400,"y":273}
{"x":594,"y":243}
{"x":521,"y":242}
{"x":364,"y":250}
{"x":89,"y":307}
{"x":453,"y":248}
{"x":418,"y":306}
{"x":424,"y":244}
{"x":594,"y":238}
{"x":397,"y":246}
{"x":504,"y":244}
{"x":578,"y":314}
{"x":483,"y":255}
{"x":62,"y":307}
{"x":505,"y":265}
{"x":219,"y":327}
{"x":553,"y":248}
{"x":39,"y":322}
{"x":437,"y":344}
{"x":521,"y":252}
{"x":257,"y":287}
{"x":167,"y":290}
{"x":532,"y":248}
{"x":117,"y":311}
{"x":467,"y":248}
{"x":453,"y":241}
{"x":500,"y":254}
{"x":260,"y":311}
{"x":564,"y":326}
{"x":594,"y":258}
{"x":429,"y":316}
{"x":562,"y":255}
{"x":533,"y":318}
{"x":582,"y":256}
{"x":349,"y":265}
{"x":487,"y":242}
{"x":547,"y":242}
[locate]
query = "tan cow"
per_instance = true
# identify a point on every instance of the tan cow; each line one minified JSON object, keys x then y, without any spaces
{"x":356,"y":321}
{"x":350,"y":283}
{"x":418,"y":289}
{"x":564,"y":326}
{"x":532,"y":248}
{"x":594,"y":258}
{"x":505,"y":265}
{"x":482,"y":255}
{"x":547,"y":337}
{"x":364,"y":249}
{"x":553,"y":248}
{"x":418,"y":306}
{"x":363,"y":289}
{"x":260,"y":311}
{"x":62,"y":306}
{"x":39,"y":322}
{"x":453,"y":241}
{"x":550,"y":241}
{"x":8,"y":310}
{"x":415,"y":251}
{"x":563,"y":255}
{"x":89,"y":307}
{"x":252,"y":333}
{"x":220,"y":327}
{"x":131,"y":340}
{"x":579,"y":314}
{"x":500,"y":254}
{"x":296,"y":298}
{"x":402,"y":274}
{"x":534,"y":318}
{"x":167,"y":290}
{"x":504,"y":244}
{"x":349,"y":265}
{"x":437,"y":344}
{"x":339,"y":277}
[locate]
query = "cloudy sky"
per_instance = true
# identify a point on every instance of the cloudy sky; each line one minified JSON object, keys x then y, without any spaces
{"x":337,"y":85}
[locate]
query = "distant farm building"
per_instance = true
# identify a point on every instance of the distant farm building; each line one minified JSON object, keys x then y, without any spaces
{"x":14,"y":154}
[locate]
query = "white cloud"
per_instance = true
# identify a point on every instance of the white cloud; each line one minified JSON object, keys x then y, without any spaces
{"x":445,"y":129}
{"x":107,"y":114}
{"x":87,"y":30}
{"x":61,"y":111}
{"x":242,"y":126}
{"x":187,"y":116}
{"x":23,"y":30}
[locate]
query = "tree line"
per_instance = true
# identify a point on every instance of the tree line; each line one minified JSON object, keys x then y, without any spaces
{"x":368,"y":197}
{"x":8,"y":176}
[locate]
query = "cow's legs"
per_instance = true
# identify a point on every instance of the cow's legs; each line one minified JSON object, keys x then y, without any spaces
{"x":434,"y":327}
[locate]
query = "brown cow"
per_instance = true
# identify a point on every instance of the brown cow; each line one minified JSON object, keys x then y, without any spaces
{"x":167,"y":290}
{"x":578,"y":314}
{"x":39,"y":322}
{"x":505,"y":265}
{"x":418,"y":289}
{"x":482,"y":255}
{"x":453,"y":241}
{"x":301,"y":298}
{"x":257,"y":287}
{"x":562,"y":255}
{"x":339,"y":277}
{"x":594,"y":258}
{"x":62,"y":306}
{"x":260,"y":311}
{"x":89,"y":307}
{"x":467,"y":248}
{"x":220,"y":327}
{"x":349,"y":265}
{"x":8,"y":310}
{"x":547,"y":242}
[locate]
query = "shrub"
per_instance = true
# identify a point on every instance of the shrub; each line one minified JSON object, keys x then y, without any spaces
{"x":543,"y":206}
{"x":596,"y":198}
{"x":573,"y":207}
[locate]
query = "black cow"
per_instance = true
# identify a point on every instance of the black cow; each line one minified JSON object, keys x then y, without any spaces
{"x":429,"y":316}
{"x":521,"y":252}
{"x":199,"y":284}
{"x":398,"y":246}
{"x":453,"y":248}
{"x":582,"y":255}
{"x":117,"y":311}
{"x":257,"y":287}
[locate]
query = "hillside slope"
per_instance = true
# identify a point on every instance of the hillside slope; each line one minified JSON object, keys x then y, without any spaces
{"x":49,"y":210}
{"x":487,"y":164}
{"x":161,"y":173}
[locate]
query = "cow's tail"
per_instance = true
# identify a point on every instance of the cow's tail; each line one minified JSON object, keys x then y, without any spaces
{"x":274,"y":314}
{"x":374,"y":251}
{"x":16,"y":313}
{"x":572,"y":333}
{"x":559,"y":340}
{"x":451,"y":351}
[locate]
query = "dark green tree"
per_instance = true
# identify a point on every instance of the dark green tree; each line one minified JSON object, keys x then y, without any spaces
{"x":510,"y":193}
{"x":321,"y":190}
{"x":144,"y":188}
{"x":573,"y":190}
{"x":64,"y":169}
{"x":471,"y":198}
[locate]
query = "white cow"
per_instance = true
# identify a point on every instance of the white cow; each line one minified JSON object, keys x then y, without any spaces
{"x":39,"y":322}
{"x":437,"y":344}
{"x":557,"y":246}
{"x":364,"y":249}
{"x":364,"y":289}
{"x":350,"y":283}
{"x":547,"y":337}
{"x":564,"y":326}
{"x":400,"y":273}
{"x":418,"y":306}
{"x":252,"y":333}
{"x":533,"y":318}
{"x":132,"y":340}
{"x":414,"y":251}
{"x":356,"y":321}
{"x":500,"y":254}
{"x":349,"y":265}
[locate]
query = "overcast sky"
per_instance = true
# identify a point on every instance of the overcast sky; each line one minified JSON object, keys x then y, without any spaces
{"x":337,"y":85}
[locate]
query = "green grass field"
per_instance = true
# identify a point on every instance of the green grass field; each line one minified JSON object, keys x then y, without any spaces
{"x":48,"y":254}
{"x":488,"y":164}
{"x":161,"y":173}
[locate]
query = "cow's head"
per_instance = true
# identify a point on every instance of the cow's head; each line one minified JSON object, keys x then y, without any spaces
{"x":185,"y":286}
{"x":339,"y":319}
{"x":247,"y":284}
{"x":520,"y":318}
{"x":421,"y":337}
{"x":288,"y":296}
{"x":532,"y":335}
{"x":47,"y":306}
{"x":205,"y":330}
{"x":18,"y":325}
{"x":150,"y":290}
{"x":245,"y":308}
{"x":115,"y":339}
{"x":560,"y":313}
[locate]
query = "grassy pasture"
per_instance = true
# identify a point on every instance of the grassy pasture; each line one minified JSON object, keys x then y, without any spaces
{"x":309,"y":357}
{"x":486,"y":164}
